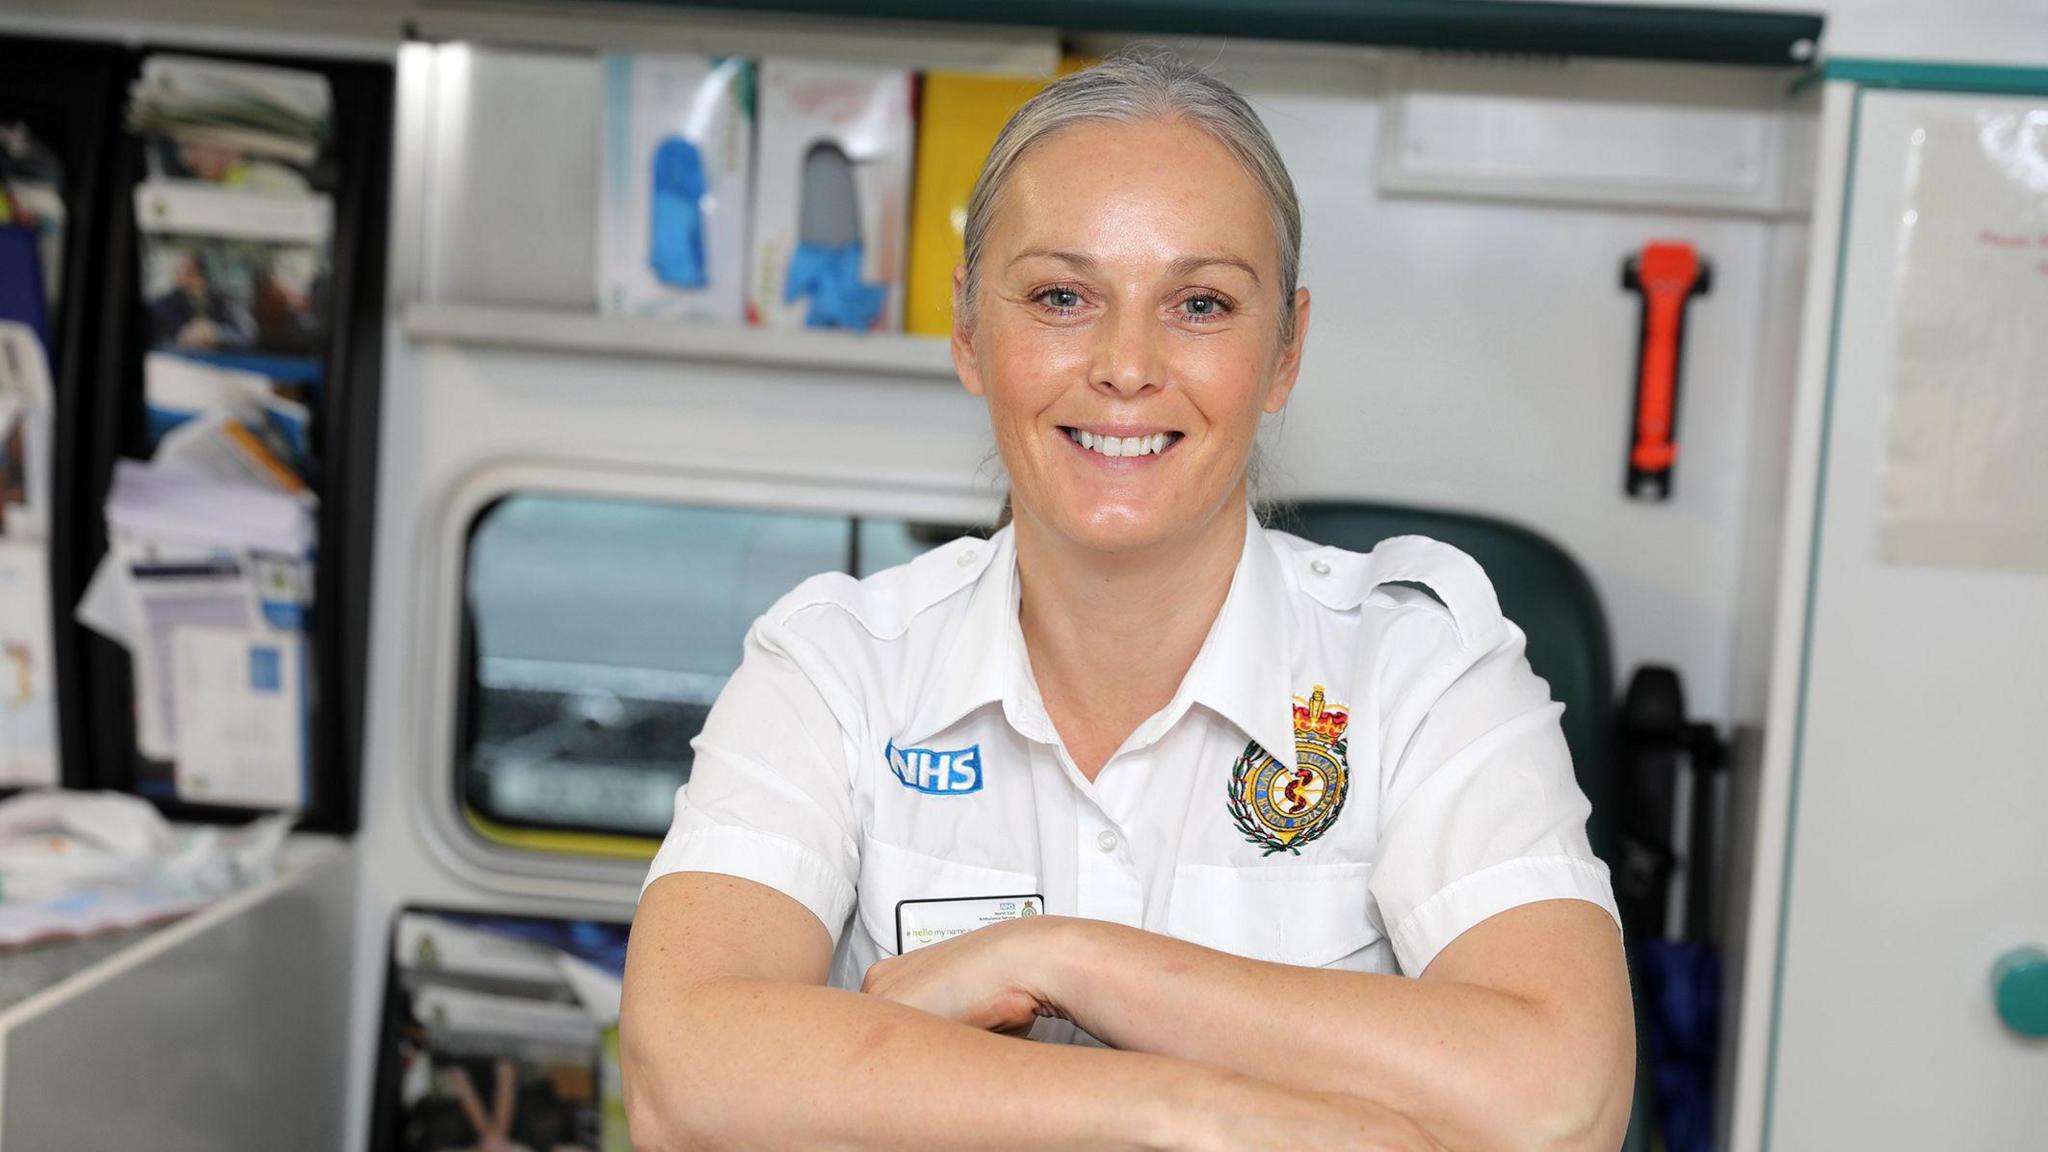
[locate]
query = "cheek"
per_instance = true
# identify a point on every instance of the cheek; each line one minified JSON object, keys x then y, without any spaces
{"x":1227,"y":380}
{"x":1025,"y":369}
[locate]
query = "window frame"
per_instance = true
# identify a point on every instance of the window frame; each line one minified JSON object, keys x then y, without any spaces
{"x":581,"y":865}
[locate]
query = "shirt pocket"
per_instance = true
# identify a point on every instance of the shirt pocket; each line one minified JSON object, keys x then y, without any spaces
{"x":1310,"y":915}
{"x":889,"y":874}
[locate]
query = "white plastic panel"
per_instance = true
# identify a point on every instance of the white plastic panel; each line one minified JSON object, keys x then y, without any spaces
{"x":512,"y":177}
{"x":1913,"y":750}
{"x":220,"y":1032}
{"x":1592,"y":132}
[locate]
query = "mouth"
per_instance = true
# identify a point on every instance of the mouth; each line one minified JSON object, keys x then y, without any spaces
{"x":1120,"y":447}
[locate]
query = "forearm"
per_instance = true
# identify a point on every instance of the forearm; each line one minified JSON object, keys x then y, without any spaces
{"x":752,"y":1064}
{"x":1480,"y":1068}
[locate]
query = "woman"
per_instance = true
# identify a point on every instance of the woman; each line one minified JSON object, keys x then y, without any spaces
{"x":1307,"y":836}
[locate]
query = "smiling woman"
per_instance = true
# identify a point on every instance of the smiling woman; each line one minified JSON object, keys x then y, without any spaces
{"x":1297,"y":840}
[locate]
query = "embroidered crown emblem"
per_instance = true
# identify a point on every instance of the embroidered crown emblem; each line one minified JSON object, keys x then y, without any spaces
{"x":1316,"y":717}
{"x":1280,"y":808}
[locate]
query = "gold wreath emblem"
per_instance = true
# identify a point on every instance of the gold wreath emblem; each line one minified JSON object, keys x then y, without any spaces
{"x":1281,"y":808}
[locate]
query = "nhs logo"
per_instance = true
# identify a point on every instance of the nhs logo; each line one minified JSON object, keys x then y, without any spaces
{"x":937,"y":773}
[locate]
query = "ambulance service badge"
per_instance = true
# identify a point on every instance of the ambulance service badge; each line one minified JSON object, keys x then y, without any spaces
{"x":1281,"y":808}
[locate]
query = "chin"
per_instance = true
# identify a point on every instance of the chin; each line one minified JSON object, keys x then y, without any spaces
{"x":1119,"y":526}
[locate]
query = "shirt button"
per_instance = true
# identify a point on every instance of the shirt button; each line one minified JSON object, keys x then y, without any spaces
{"x":1319,"y":567}
{"x":1106,"y":840}
{"x":966,"y":558}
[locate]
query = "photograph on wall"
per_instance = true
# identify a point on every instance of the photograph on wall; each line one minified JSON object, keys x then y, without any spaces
{"x":210,"y":294}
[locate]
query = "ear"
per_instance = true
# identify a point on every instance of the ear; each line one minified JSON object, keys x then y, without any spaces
{"x":1289,"y":367}
{"x":964,"y":364}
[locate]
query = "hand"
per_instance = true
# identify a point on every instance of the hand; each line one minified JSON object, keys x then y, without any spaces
{"x":493,"y":1129}
{"x":992,"y":978}
{"x":1243,"y":1114}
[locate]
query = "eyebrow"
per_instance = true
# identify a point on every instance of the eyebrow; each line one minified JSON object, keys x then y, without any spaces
{"x":1188,"y":265}
{"x":1184,"y":266}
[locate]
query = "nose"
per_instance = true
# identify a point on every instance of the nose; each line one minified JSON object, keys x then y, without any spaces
{"x":1128,"y":358}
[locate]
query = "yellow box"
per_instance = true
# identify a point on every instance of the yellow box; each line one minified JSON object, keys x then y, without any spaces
{"x":961,"y":116}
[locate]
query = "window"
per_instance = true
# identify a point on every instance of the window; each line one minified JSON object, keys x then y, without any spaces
{"x":599,"y":631}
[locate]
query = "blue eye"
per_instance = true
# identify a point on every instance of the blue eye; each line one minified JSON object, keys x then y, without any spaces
{"x":1205,"y":307}
{"x":1061,"y":298}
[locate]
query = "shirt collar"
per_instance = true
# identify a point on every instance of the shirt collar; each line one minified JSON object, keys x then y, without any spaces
{"x":1242,"y":672}
{"x":984,"y":659}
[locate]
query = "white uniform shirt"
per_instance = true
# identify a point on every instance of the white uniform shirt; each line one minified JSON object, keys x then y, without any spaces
{"x":884,"y":740}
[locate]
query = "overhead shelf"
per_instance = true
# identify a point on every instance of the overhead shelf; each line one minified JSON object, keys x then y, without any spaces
{"x":587,"y":333}
{"x":1520,"y":27}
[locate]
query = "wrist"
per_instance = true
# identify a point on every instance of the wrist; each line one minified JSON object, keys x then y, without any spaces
{"x":1187,"y":1116}
{"x":1059,"y":960}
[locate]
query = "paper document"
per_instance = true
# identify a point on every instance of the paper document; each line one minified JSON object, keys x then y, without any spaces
{"x":176,"y":505}
{"x":240,"y":707}
{"x":26,"y":407}
{"x":221,"y":447}
{"x":28,"y":694}
{"x":177,"y":388}
{"x":168,"y":598}
{"x":1966,"y":462}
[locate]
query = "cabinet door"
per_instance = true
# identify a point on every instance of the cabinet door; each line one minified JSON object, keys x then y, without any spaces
{"x":1919,"y":834}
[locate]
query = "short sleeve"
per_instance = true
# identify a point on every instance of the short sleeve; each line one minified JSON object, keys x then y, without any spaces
{"x":769,"y":797}
{"x":1483,"y":811}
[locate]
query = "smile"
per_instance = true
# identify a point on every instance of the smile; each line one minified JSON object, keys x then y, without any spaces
{"x":1122,"y":446}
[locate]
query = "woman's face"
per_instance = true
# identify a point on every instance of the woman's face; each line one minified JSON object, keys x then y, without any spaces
{"x":1127,"y":332}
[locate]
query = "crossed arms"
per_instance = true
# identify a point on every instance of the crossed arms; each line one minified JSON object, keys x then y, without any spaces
{"x":1517,"y":1036}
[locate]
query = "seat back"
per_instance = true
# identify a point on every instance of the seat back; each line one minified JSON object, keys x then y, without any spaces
{"x":1541,"y":588}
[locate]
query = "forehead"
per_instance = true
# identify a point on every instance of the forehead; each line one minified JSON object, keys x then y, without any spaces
{"x":1171,"y":183}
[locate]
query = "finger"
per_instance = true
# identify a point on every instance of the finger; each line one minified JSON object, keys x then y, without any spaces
{"x":877,"y":973}
{"x":506,"y":1098}
{"x":472,"y":1105}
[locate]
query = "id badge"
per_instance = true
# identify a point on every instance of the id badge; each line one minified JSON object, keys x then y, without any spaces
{"x":922,"y":923}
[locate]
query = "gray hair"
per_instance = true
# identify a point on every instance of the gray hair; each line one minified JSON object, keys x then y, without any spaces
{"x":1139,"y":84}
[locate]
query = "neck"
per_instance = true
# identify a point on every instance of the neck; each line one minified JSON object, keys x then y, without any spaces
{"x":1112,"y":635}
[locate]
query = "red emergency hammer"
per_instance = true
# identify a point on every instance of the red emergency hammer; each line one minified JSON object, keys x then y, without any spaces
{"x":1668,"y":274}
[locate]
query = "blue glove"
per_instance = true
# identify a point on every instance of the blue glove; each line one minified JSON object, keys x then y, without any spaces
{"x":675,"y":229}
{"x":831,"y":278}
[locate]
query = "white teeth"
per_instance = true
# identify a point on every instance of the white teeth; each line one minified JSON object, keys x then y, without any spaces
{"x":1121,"y":446}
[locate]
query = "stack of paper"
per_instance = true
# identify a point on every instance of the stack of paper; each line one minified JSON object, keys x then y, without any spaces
{"x":28,"y":719}
{"x":246,"y":108}
{"x":208,"y":576}
{"x":207,"y":582}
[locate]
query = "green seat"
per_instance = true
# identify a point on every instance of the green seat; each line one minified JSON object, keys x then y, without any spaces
{"x":1545,"y":592}
{"x":1542,"y":589}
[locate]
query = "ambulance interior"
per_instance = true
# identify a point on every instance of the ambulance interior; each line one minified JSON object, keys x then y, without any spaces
{"x":1715,"y":334}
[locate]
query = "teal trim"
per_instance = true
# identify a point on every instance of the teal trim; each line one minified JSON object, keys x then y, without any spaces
{"x":1516,"y":27}
{"x":1985,"y":79}
{"x":1820,"y":491}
